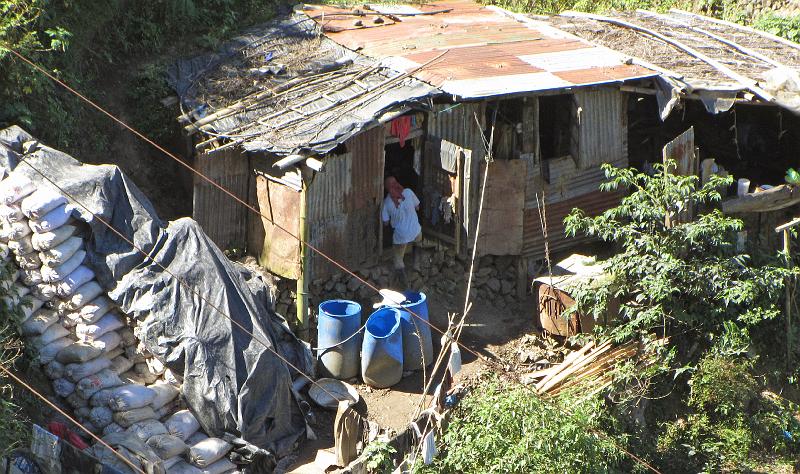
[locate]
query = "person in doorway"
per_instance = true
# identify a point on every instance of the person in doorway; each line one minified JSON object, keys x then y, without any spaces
{"x":400,"y":211}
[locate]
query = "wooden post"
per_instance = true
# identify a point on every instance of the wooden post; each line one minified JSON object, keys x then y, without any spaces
{"x":788,"y":310}
{"x":302,"y":280}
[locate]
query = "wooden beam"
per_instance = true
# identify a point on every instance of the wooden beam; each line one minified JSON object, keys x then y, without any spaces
{"x":744,"y":81}
{"x":779,"y":197}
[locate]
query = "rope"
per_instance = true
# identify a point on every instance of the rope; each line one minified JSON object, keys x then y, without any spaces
{"x":311,"y":247}
{"x":59,"y":410}
{"x":180,"y":280}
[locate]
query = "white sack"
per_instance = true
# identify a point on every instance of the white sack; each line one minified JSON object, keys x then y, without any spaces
{"x":208,"y":451}
{"x":165,"y":393}
{"x":4,"y":251}
{"x":121,"y":364}
{"x":101,"y":398}
{"x":54,"y":370}
{"x":29,"y":309}
{"x":101,"y":417}
{"x":90,"y":332}
{"x":112,"y":354}
{"x":75,"y":372}
{"x":167,"y":446}
{"x":156,"y":366}
{"x":59,"y":254}
{"x":39,"y":322}
{"x":168,"y":463}
{"x":85,"y":294}
{"x":41,"y":202}
{"x":78,"y":352}
{"x":56,"y":331}
{"x":50,"y":351}
{"x":48,"y":240}
{"x":196,"y":438}
{"x":11,"y":213}
{"x":15,"y":232}
{"x":220,"y":467}
{"x":92,"y":384}
{"x":14,"y":188}
{"x":52,"y":220}
{"x":145,"y":430}
{"x":112,"y":428}
{"x":182,"y":424}
{"x":184,"y":467}
{"x":130,"y":396}
{"x":44,"y":291}
{"x":63,"y":387}
{"x":76,"y":401}
{"x":53,"y":274}
{"x":134,"y":415}
{"x":82,"y":414}
{"x":95,"y":309}
{"x":108,"y":341}
{"x":20,"y":245}
{"x":143,"y":372}
{"x":29,"y":261}
{"x":30,"y":277}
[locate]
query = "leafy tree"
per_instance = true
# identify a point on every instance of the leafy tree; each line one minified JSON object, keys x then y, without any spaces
{"x":672,"y":272}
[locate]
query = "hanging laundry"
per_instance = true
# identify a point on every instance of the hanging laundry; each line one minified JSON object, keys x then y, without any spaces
{"x":400,"y":128}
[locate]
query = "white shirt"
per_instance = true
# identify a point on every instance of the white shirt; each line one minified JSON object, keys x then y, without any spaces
{"x":403,"y":218}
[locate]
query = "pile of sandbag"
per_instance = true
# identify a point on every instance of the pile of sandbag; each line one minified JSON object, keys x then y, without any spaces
{"x":85,"y":344}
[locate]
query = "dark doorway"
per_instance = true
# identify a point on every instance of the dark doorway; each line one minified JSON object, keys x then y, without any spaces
{"x":399,"y":162}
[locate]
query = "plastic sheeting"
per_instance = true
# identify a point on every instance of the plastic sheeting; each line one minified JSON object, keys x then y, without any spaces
{"x":232,"y":383}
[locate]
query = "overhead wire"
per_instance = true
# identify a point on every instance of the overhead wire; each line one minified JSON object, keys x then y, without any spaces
{"x":73,"y":420}
{"x":182,"y":281}
{"x":302,"y":242}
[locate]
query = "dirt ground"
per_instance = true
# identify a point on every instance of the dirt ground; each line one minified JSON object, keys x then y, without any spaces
{"x":490,"y":331}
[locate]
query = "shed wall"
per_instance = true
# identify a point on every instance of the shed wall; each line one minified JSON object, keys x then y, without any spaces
{"x":222,"y":218}
{"x":344,"y":205}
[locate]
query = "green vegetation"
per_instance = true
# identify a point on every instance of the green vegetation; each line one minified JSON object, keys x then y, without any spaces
{"x":114,"y":52}
{"x":14,"y":429}
{"x":503,"y":428}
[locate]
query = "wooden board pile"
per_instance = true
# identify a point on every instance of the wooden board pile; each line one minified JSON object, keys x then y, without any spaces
{"x":592,"y":366}
{"x":86,"y":345}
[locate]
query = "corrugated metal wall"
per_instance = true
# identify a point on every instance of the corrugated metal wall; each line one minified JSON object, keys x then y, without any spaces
{"x":456,"y":124}
{"x":592,"y":203}
{"x":344,"y":204}
{"x":599,"y":136}
{"x":222,"y":218}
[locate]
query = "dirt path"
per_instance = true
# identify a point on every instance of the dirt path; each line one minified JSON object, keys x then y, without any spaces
{"x":489,"y":331}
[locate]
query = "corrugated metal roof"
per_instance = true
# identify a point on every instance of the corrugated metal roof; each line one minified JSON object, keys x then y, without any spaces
{"x":473,"y":50}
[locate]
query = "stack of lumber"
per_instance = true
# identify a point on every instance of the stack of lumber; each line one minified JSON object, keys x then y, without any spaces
{"x":592,"y":365}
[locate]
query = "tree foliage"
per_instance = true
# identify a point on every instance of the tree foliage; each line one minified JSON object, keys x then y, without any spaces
{"x":671,"y":272}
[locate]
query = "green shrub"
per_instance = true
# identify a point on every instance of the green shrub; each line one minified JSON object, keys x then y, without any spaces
{"x":502,"y":429}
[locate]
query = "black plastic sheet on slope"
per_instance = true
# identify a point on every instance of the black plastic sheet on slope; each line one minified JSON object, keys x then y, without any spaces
{"x":231,"y":382}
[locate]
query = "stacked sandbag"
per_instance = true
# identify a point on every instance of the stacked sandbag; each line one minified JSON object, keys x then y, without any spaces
{"x":87,"y":347}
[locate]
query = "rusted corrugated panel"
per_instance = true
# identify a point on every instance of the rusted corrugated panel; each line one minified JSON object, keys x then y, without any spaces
{"x":501,"y":219}
{"x":281,"y":205}
{"x":601,"y":134}
{"x":487,"y":51}
{"x":592,"y":204}
{"x":344,"y":204}
{"x":222,"y":218}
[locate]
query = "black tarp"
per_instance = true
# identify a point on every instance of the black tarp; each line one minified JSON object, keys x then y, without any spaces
{"x":231,"y":382}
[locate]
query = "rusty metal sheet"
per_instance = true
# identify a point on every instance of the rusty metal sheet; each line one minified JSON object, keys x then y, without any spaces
{"x":501,"y":226}
{"x":281,"y":252}
{"x":593,"y":204}
{"x":681,"y":150}
{"x":224,"y":220}
{"x":478,"y":51}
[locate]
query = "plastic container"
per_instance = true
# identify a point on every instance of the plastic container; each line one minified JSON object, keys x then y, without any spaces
{"x":743,"y":186}
{"x":382,"y":349}
{"x":338,"y":320}
{"x":417,"y":342}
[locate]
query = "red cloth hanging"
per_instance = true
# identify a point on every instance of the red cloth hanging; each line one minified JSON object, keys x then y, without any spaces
{"x":401,"y":127}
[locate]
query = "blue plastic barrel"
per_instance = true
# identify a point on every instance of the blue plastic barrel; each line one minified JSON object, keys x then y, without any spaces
{"x":338,"y":320}
{"x":382,"y":349}
{"x":417,"y":342}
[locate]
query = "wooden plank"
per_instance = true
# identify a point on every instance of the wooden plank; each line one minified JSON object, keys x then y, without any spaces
{"x":281,"y":251}
{"x":779,"y":197}
{"x":502,"y":227}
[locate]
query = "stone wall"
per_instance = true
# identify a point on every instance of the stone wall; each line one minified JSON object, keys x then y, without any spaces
{"x":438,"y":272}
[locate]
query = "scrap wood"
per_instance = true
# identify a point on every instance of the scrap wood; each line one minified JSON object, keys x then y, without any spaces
{"x":588,"y":364}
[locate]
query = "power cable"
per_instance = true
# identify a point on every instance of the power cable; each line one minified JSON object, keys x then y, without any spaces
{"x":62,"y":412}
{"x":308,"y":245}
